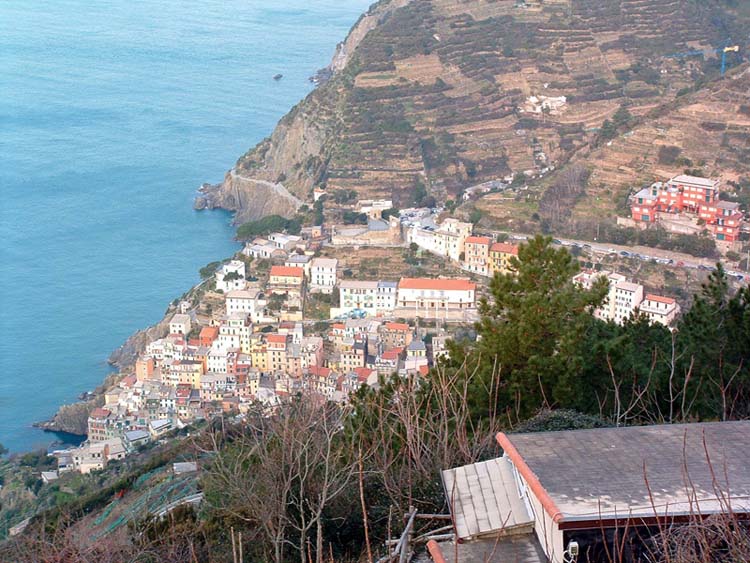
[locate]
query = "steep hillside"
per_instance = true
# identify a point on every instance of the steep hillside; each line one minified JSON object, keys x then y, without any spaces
{"x":436,"y":92}
{"x":708,"y":131}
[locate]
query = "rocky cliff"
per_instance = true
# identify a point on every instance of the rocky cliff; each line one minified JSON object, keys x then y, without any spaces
{"x":250,"y":198}
{"x":439,"y":95}
{"x":125,"y":356}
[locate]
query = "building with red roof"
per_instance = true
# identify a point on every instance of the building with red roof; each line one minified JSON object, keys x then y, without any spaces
{"x":435,"y":298}
{"x":501,"y":254}
{"x":477,"y":254}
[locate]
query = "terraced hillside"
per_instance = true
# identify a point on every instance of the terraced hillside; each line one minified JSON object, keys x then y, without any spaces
{"x":708,"y":131}
{"x":435,"y":93}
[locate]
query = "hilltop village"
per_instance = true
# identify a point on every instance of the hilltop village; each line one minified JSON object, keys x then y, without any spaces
{"x":280,"y":318}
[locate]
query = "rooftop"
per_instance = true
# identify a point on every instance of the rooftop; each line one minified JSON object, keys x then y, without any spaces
{"x":243,"y":294}
{"x":357,"y":284}
{"x":695,"y":181}
{"x":659,"y":299}
{"x":478,"y":240}
{"x":586,"y":475}
{"x":287,"y":271}
{"x":440,"y":284}
{"x":324,"y":263}
{"x":505,"y":247}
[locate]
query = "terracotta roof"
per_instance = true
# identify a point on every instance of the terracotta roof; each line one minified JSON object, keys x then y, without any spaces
{"x":660,"y":299}
{"x":320,"y":371}
{"x":277,"y":338}
{"x":445,"y":284}
{"x":128,"y":381}
{"x":363,"y":373}
{"x":391,"y":354}
{"x":504,"y":247}
{"x":100,"y":413}
{"x":424,"y":369}
{"x":287,"y":271}
{"x":339,"y":326}
{"x":478,"y":240}
{"x":209,"y":332}
{"x":396,"y":326}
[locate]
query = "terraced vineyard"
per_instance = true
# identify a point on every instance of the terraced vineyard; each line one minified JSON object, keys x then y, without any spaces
{"x":435,"y":93}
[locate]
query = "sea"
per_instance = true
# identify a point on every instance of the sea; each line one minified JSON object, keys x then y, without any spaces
{"x":111,"y":116}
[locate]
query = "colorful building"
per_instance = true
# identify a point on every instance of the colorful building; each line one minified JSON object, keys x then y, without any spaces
{"x":477,"y":255}
{"x":501,"y":254}
{"x":689,"y":194}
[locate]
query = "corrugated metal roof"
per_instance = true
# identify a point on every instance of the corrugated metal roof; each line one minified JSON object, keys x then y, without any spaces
{"x":484,"y":498}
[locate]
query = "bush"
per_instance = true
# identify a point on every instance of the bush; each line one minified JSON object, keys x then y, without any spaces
{"x":269,"y":224}
{"x":563,"y":419}
{"x":354,"y":218}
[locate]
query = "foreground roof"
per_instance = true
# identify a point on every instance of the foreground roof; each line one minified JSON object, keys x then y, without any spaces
{"x":588,"y":475}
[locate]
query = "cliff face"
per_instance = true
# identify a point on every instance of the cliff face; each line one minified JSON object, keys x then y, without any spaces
{"x":125,"y":356}
{"x":250,"y":198}
{"x":441,"y":95}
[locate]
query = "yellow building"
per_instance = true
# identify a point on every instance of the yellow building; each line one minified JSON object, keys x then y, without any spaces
{"x":500,"y":256}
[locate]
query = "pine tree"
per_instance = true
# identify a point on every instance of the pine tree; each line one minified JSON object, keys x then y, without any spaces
{"x":532,"y":327}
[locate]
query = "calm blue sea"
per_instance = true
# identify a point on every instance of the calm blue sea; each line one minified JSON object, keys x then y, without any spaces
{"x":111,"y":116}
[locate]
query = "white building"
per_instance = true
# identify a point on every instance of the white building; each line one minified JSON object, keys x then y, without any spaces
{"x":446,"y":240}
{"x":180,"y":324}
{"x":262,"y":250}
{"x":247,"y":301}
{"x":375,"y":297}
{"x":658,"y":309}
{"x":433,"y":298}
{"x":386,"y":296}
{"x":323,"y":275}
{"x":231,"y":276}
{"x":299,"y":261}
{"x":374,"y":208}
{"x":284,"y":242}
{"x":628,"y":297}
{"x":235,"y":332}
{"x":218,"y":358}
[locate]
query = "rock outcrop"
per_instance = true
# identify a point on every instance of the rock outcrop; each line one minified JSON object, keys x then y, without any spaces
{"x":125,"y":356}
{"x":249,"y":198}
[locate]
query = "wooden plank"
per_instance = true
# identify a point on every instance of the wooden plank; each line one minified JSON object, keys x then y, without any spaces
{"x":477,"y":499}
{"x":486,"y":473}
{"x":467,"y":501}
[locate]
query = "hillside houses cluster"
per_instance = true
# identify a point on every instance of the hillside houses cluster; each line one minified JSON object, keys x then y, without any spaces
{"x":626,"y":298}
{"x":248,"y":353}
{"x":693,"y":199}
{"x":454,"y":240}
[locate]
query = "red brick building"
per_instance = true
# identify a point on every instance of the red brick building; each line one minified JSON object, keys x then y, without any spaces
{"x":689,"y":194}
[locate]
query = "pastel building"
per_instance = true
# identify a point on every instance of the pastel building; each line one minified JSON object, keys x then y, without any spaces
{"x":323,"y":272}
{"x":501,"y":254}
{"x":689,"y":194}
{"x":477,"y":255}
{"x":433,"y":298}
{"x":659,"y":309}
{"x":231,"y":276}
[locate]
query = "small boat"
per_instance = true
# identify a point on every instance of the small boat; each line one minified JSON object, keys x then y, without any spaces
{"x":278,"y":76}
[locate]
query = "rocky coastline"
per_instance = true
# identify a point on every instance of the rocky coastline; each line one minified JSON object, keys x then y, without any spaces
{"x":250,"y":195}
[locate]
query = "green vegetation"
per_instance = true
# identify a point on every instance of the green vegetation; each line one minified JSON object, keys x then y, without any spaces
{"x":209,"y":270}
{"x":354,"y":218}
{"x":701,"y":246}
{"x":268,"y":225}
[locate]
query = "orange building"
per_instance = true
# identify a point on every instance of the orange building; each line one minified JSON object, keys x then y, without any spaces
{"x":207,"y":335}
{"x":477,"y":254}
